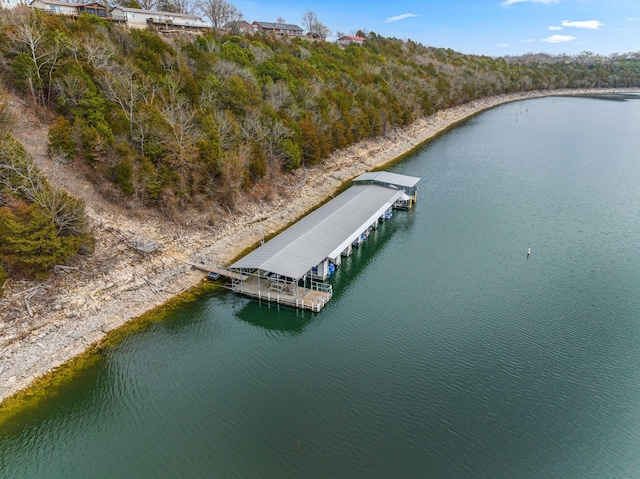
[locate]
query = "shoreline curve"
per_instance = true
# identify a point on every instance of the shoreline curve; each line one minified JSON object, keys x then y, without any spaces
{"x":94,"y":301}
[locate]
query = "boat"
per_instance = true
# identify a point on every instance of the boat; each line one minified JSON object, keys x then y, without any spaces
{"x":213,"y":276}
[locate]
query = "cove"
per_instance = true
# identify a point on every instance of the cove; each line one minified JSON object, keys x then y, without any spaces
{"x":445,"y":351}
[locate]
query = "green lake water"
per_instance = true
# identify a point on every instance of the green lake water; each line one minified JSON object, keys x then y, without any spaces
{"x":445,"y":352}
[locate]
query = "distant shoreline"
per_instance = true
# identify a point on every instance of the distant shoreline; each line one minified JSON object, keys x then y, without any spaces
{"x":90,"y":306}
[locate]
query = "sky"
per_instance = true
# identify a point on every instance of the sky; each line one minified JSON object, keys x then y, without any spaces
{"x":480,"y":27}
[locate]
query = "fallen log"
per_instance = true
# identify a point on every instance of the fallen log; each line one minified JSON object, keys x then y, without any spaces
{"x":29,"y":310}
{"x":61,"y":266}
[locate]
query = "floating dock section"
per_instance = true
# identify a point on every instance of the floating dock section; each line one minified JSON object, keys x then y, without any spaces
{"x":291,"y":268}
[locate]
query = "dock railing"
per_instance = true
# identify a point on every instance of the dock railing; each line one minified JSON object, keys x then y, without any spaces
{"x":324,"y":287}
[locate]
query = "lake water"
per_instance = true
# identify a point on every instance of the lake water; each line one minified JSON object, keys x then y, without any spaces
{"x":446,"y":352}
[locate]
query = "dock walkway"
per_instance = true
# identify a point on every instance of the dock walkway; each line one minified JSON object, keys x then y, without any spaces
{"x":219,"y":270}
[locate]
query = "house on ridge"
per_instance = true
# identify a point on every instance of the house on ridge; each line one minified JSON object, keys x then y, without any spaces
{"x":139,"y":18}
{"x":349,"y":39}
{"x":285,"y":29}
{"x":56,"y":6}
{"x":93,"y":8}
{"x":240,"y":27}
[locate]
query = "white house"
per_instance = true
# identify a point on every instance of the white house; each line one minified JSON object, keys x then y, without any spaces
{"x":138,"y":18}
{"x":55,"y":6}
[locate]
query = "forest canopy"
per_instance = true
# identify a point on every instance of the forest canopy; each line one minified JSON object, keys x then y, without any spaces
{"x":186,"y":120}
{"x":172,"y":121}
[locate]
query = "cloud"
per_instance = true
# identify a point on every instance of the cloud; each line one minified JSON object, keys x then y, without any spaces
{"x":511,"y":2}
{"x":528,"y":40}
{"x":559,"y":39}
{"x":631,"y":19}
{"x":553,"y":27}
{"x":400,"y":17}
{"x":590,"y":24}
{"x":503,"y":45}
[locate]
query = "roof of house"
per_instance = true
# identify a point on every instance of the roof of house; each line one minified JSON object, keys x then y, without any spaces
{"x":352,"y":38}
{"x":278,"y":26}
{"x":240,"y":26}
{"x":323,"y":233}
{"x":55,"y":2}
{"x":238,"y":22}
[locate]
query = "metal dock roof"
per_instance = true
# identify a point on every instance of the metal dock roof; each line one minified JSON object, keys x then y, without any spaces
{"x":390,"y":178}
{"x":324,"y":233}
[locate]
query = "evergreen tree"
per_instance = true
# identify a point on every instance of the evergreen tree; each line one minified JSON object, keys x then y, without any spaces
{"x":29,"y":244}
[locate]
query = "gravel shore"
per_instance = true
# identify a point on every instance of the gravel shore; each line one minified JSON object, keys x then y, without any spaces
{"x":44,"y":325}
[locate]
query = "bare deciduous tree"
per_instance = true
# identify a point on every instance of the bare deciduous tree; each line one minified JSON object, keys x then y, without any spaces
{"x":252,"y":128}
{"x":220,"y":12}
{"x":228,"y":129}
{"x":179,"y":115}
{"x":21,"y":176}
{"x":279,"y":95}
{"x":99,"y":52}
{"x":122,"y":86}
{"x":148,"y":4}
{"x":27,"y":35}
{"x":71,"y":89}
{"x":313,"y":25}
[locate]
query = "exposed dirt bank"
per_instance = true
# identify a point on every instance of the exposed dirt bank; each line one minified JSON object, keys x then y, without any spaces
{"x":43,"y":325}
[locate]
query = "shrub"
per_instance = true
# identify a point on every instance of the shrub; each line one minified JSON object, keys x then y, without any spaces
{"x":61,"y":142}
{"x":123,"y":174}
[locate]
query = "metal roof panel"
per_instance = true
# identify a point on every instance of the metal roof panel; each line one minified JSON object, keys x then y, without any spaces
{"x":322,"y":232}
{"x":388,"y":177}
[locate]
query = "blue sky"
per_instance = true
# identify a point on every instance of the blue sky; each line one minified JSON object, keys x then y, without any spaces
{"x":483,"y":27}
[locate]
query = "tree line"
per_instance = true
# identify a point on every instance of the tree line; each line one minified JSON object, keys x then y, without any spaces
{"x":176,"y":122}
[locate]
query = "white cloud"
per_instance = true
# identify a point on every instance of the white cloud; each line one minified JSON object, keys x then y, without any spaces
{"x":559,"y":39}
{"x":553,"y":27}
{"x":631,"y":19}
{"x":528,"y":40}
{"x":503,"y":45}
{"x":590,"y":24}
{"x":511,"y":2}
{"x":400,"y":17}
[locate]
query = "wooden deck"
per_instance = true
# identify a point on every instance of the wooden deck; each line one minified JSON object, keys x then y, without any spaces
{"x":282,"y":293}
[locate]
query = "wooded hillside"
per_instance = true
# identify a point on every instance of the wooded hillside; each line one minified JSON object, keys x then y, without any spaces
{"x":183,"y":120}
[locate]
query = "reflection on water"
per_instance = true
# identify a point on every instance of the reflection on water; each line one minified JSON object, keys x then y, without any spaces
{"x":280,"y":320}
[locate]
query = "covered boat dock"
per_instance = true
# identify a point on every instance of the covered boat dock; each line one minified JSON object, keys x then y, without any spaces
{"x":291,"y":268}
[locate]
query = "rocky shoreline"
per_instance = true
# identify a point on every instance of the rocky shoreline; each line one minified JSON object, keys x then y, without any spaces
{"x":44,"y":325}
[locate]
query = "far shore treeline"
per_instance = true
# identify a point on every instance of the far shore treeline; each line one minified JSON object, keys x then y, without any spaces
{"x":199,"y":121}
